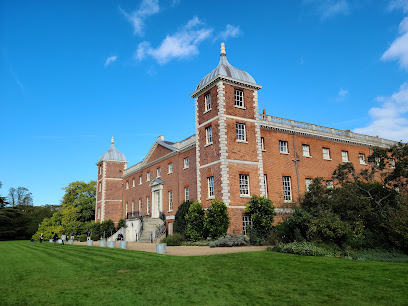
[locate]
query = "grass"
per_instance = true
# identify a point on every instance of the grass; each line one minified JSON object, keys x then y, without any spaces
{"x":64,"y":274}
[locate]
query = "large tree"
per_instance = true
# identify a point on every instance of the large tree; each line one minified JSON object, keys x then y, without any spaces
{"x":3,"y":201}
{"x":20,"y":196}
{"x":82,"y":196}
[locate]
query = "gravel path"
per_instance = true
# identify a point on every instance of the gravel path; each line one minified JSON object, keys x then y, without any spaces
{"x":185,"y":250}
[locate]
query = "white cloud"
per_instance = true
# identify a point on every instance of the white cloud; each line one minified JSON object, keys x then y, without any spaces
{"x":329,"y":8}
{"x":341,"y":95}
{"x":230,"y":31}
{"x":137,"y":18}
{"x":399,"y":47}
{"x":110,"y":60}
{"x":398,"y":4}
{"x":390,"y":120}
{"x":181,"y":44}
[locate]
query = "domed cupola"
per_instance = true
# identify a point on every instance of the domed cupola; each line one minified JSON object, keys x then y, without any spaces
{"x":112,"y":154}
{"x":225,"y":69}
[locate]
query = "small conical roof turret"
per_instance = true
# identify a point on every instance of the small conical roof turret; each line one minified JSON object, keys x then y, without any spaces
{"x":224,"y":68}
{"x":112,"y":154}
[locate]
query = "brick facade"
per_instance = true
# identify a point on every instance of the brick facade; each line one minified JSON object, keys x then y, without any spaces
{"x":230,"y":156}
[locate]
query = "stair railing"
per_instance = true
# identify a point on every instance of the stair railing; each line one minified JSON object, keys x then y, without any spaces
{"x":157,"y":232}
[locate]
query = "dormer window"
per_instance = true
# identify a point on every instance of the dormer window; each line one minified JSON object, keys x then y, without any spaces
{"x":239,"y":98}
{"x":207,"y":102}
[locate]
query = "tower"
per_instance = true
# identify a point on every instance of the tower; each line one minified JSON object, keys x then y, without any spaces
{"x":228,"y":140}
{"x":109,"y":185}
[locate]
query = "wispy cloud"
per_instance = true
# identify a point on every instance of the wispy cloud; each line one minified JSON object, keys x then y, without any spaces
{"x":342,"y":94}
{"x":329,"y":8}
{"x":110,"y":60}
{"x":399,"y":47}
{"x":398,"y":4}
{"x":181,"y":44}
{"x":12,"y":72}
{"x":390,"y":120}
{"x":137,"y":18}
{"x":230,"y":31}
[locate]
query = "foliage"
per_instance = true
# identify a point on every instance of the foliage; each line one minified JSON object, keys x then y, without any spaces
{"x":204,"y":242}
{"x":262,"y":212}
{"x":3,"y":200}
{"x":107,"y":228}
{"x":195,"y":221}
{"x":304,"y":248}
{"x":365,"y":210}
{"x":230,"y":240}
{"x":180,"y":222}
{"x":173,"y":240}
{"x":121,"y":223}
{"x":82,"y":196}
{"x":217,"y":220}
{"x":21,"y":222}
{"x":20,"y":196}
{"x":76,"y":215}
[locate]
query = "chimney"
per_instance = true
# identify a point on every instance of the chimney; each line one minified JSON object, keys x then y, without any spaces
{"x":161,"y":137}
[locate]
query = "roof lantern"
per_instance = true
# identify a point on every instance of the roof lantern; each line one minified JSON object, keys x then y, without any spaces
{"x":224,"y":68}
{"x":112,"y":154}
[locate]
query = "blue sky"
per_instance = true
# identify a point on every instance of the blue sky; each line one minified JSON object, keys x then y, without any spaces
{"x":75,"y":73}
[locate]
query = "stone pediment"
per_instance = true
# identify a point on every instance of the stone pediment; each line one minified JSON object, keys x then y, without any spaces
{"x":156,"y":181}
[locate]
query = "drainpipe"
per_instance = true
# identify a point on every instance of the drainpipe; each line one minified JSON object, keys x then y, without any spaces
{"x":121,"y":212}
{"x":296,"y":160}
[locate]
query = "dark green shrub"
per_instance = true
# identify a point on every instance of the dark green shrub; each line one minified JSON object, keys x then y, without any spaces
{"x":262,"y":212}
{"x":180,"y":222}
{"x":304,"y":248}
{"x":82,"y":238}
{"x":107,"y":228}
{"x":121,"y":223}
{"x":175,"y":239}
{"x":217,"y":221}
{"x":389,"y":255}
{"x":230,"y":240}
{"x":195,"y":221}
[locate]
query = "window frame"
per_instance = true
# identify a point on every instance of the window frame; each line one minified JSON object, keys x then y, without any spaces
{"x":308,"y":182}
{"x":140,"y":206}
{"x":287,"y":189}
{"x":208,"y":135}
{"x":186,"y":163}
{"x":170,"y":200}
{"x":158,"y":172}
{"x":244,"y":190}
{"x":308,"y":150}
{"x":148,"y":176}
{"x":327,"y":150}
{"x":140,"y":179}
{"x":147,"y":205}
{"x":362,"y":158}
{"x":239,"y":98}
{"x":187,"y":193}
{"x":246,"y":221}
{"x":263,"y":143}
{"x":283,"y":144}
{"x":207,"y":102}
{"x":238,"y":128}
{"x":210,"y":187}
{"x":344,"y":156}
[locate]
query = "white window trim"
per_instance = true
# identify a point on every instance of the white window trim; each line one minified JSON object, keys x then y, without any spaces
{"x":242,"y":95}
{"x":344,"y":159}
{"x":206,"y":110}
{"x":148,"y":176}
{"x":287,"y":147}
{"x":158,"y":172}
{"x":328,"y":150}
{"x":290,"y":189}
{"x":208,"y":143}
{"x":310,"y":180}
{"x":133,"y":183}
{"x":362,"y":162}
{"x":186,"y":165}
{"x":208,"y":187}
{"x":147,"y":205}
{"x":185,"y":193}
{"x":263,"y":144}
{"x":170,"y":201}
{"x":170,"y":168}
{"x":236,"y":132}
{"x":244,"y":195}
{"x":140,"y":180}
{"x":308,"y":146}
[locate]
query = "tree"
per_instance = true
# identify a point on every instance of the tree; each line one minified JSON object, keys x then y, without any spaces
{"x":3,"y":201}
{"x":180,"y":222}
{"x":217,"y":221}
{"x":262,"y":212}
{"x":82,"y":196}
{"x":20,"y":196}
{"x":195,"y":221}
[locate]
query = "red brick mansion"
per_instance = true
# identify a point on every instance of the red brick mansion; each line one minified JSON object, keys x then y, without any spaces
{"x":236,"y":152}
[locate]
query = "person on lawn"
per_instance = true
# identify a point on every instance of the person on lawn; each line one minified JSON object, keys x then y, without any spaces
{"x":55,"y":238}
{"x":41,"y":238}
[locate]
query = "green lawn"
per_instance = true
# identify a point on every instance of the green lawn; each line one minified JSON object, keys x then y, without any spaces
{"x":65,"y":274}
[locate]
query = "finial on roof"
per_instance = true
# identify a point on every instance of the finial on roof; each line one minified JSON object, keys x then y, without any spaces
{"x":223,"y":49}
{"x":112,"y":141}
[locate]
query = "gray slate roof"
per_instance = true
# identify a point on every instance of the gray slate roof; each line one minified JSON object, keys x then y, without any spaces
{"x":224,"y":68}
{"x":113,"y":154}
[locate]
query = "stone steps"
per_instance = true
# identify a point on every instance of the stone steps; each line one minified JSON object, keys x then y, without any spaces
{"x":149,"y":225}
